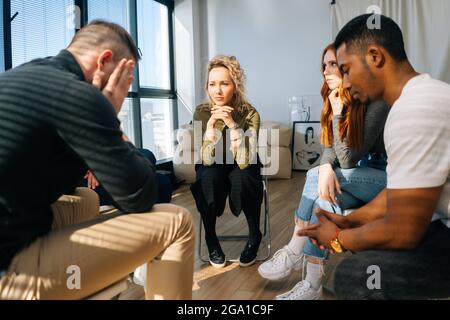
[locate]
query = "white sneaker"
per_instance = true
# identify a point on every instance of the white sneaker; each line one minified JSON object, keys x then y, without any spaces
{"x":140,"y":275}
{"x":281,"y":264}
{"x":302,"y":291}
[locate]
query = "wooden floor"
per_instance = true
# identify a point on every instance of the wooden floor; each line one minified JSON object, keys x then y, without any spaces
{"x":234,"y":282}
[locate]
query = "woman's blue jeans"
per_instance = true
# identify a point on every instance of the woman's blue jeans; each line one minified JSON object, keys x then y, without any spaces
{"x":359,"y":186}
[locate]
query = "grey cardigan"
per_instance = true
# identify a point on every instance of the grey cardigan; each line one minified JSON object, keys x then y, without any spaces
{"x":340,"y":155}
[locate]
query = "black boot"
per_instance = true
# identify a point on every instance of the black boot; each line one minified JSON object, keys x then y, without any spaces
{"x":216,"y":255}
{"x":250,"y":252}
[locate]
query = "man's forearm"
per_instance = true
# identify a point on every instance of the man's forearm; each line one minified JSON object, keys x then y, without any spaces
{"x":375,"y":235}
{"x":403,"y":226}
{"x":374,"y":210}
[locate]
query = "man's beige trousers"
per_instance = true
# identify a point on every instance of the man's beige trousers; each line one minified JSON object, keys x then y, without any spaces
{"x":100,"y":250}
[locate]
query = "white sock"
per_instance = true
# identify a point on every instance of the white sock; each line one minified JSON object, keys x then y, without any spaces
{"x":314,"y":274}
{"x":297,"y":243}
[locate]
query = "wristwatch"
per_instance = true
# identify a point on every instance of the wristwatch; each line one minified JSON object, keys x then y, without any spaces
{"x":336,"y":244}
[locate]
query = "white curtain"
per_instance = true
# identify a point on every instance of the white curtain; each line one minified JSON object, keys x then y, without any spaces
{"x":425,"y":25}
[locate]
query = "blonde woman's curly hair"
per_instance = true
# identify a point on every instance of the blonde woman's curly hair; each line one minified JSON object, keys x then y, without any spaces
{"x":237,"y":75}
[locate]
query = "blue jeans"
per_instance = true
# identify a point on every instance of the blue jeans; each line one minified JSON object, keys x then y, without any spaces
{"x":359,"y":186}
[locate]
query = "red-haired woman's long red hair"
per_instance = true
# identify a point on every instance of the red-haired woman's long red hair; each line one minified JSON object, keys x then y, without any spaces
{"x":351,"y":125}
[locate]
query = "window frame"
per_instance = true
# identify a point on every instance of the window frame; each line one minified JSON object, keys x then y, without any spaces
{"x":7,"y":45}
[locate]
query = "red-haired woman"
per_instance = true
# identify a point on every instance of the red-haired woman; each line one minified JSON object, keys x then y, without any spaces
{"x":351,"y":174}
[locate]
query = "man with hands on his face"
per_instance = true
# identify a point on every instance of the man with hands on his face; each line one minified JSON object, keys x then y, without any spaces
{"x":61,"y":112}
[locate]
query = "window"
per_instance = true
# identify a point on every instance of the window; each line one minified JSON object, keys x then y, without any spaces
{"x":148,"y":115}
{"x":117,"y":11}
{"x":40,"y":28}
{"x":2,"y":40}
{"x":126,"y":118}
{"x":157,"y":127}
{"x":153,"y":39}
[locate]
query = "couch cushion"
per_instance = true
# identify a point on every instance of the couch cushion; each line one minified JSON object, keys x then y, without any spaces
{"x":278,"y":162}
{"x":184,"y":165}
{"x":185,"y":138}
{"x":285,"y":134}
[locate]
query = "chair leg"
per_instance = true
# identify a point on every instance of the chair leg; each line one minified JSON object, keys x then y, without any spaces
{"x":266,"y":234}
{"x":199,"y":243}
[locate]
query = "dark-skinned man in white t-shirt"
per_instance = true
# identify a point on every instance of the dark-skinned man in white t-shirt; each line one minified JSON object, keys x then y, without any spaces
{"x":401,"y":238}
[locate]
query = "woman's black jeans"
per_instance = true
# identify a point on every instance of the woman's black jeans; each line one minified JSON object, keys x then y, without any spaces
{"x":244,"y":188}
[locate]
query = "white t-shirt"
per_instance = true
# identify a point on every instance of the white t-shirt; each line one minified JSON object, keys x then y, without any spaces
{"x":417,"y":140}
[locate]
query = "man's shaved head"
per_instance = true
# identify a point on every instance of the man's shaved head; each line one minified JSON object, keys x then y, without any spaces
{"x":101,"y":34}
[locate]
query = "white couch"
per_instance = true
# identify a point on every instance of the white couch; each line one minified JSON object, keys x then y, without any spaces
{"x":274,"y":151}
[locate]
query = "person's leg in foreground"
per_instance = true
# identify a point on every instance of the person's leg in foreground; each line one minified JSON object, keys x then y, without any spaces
{"x":104,"y":250}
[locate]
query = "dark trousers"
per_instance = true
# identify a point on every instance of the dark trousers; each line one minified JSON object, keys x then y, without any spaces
{"x":244,"y":189}
{"x":422,"y":273}
{"x":165,"y":188}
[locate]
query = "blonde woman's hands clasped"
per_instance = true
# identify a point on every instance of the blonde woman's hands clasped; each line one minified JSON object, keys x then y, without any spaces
{"x":225,"y":114}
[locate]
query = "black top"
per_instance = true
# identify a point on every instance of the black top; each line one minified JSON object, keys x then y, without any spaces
{"x":54,"y":126}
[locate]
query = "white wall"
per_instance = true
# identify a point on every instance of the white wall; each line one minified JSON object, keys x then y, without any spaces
{"x":279,"y":44}
{"x":425,"y":26}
